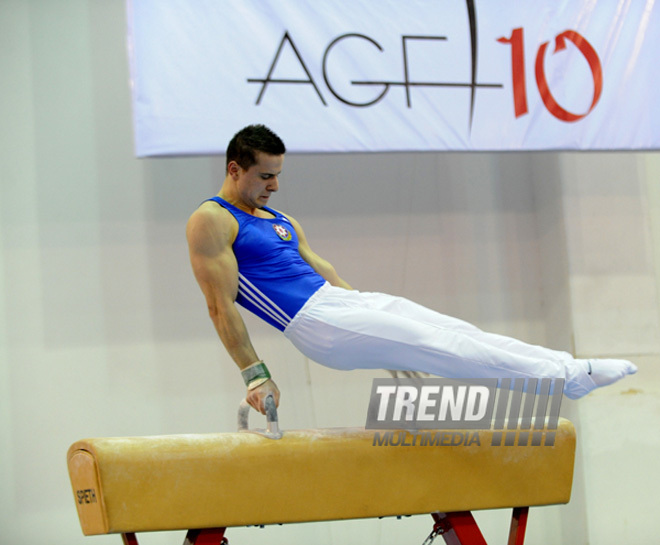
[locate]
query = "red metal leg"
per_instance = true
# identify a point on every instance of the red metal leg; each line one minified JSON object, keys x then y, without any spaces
{"x":518,"y":525}
{"x":459,"y":528}
{"x":129,"y":539}
{"x":207,"y":536}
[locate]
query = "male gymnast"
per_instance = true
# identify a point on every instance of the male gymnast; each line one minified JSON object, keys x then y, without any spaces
{"x":244,"y":252}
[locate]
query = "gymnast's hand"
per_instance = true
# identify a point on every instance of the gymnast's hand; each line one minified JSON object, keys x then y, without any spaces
{"x":257,"y":397}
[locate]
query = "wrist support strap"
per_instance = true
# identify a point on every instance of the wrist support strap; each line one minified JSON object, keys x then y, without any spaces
{"x":255,"y":375}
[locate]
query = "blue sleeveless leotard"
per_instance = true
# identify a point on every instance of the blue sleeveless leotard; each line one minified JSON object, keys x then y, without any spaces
{"x":274,"y":281}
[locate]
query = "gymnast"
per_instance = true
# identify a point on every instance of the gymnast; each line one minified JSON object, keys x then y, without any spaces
{"x":244,"y":252}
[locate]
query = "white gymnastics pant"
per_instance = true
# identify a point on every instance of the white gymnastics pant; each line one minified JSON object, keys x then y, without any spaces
{"x":347,"y":329}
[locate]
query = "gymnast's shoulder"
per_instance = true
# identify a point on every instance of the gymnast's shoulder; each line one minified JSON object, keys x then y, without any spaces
{"x":211,"y":223}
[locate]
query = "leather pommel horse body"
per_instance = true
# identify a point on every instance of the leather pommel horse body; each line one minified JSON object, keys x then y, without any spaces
{"x":206,"y":483}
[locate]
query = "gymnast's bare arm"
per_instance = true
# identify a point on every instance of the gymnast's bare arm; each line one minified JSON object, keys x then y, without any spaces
{"x":320,"y":265}
{"x":211,"y":231}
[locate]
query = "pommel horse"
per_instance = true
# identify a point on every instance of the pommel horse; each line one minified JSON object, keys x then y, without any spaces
{"x":206,"y":483}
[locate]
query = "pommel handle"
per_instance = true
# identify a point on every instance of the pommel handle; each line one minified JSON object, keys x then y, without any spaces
{"x":273,"y":427}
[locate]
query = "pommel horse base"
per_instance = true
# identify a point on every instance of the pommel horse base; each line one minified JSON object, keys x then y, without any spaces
{"x":205,"y":483}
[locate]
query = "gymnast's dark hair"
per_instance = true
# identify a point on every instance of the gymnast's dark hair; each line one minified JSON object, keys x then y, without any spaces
{"x":253,"y":138}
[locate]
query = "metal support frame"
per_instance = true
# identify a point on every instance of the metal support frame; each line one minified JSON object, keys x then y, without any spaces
{"x":206,"y":536}
{"x":518,"y":525}
{"x":129,"y":539}
{"x":458,"y":528}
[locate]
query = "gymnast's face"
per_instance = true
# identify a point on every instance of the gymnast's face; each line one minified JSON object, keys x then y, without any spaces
{"x":257,"y":183}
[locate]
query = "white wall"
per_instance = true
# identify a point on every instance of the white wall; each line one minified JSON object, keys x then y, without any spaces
{"x":103,"y":330}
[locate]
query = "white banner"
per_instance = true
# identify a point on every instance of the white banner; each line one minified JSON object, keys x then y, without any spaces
{"x":396,"y":75}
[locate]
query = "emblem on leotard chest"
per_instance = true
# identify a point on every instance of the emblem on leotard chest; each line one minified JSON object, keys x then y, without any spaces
{"x":282,"y":232}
